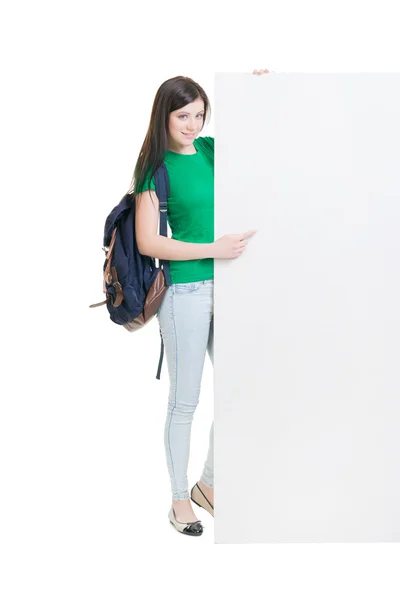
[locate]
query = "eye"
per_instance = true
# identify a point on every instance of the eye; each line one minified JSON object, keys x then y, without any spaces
{"x":200,"y":115}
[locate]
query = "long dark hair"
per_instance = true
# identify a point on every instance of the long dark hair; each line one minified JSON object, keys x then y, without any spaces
{"x":172,"y":95}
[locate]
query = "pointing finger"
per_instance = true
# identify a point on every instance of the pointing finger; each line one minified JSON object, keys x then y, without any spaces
{"x":248,"y":233}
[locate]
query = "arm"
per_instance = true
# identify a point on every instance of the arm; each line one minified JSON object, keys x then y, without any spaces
{"x":150,"y":243}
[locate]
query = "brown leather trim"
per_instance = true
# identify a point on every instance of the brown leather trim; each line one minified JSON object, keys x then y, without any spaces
{"x":107,"y":271}
{"x":98,"y":303}
{"x":135,"y":324}
{"x":155,"y":296}
{"x":120,"y":294}
{"x":152,"y":303}
{"x":118,"y":288}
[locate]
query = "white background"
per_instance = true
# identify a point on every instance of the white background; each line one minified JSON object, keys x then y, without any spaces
{"x":84,"y":486}
{"x":307,"y":330}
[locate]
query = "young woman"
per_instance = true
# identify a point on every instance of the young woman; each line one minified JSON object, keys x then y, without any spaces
{"x":186,"y":314}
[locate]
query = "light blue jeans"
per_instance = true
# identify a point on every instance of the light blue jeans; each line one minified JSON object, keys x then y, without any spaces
{"x":186,"y":319}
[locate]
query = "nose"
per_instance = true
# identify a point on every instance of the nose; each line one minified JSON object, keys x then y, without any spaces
{"x":191,"y":128}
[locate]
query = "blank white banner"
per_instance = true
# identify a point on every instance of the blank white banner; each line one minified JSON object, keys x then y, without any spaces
{"x":307,"y":327}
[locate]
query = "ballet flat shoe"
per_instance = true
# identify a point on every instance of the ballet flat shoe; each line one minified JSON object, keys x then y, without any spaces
{"x":198,"y":497}
{"x":192,"y":528}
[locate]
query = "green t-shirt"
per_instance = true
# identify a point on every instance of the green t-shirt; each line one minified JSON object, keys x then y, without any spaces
{"x":190,"y":210}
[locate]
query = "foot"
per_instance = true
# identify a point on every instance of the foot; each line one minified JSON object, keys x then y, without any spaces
{"x":184,"y":511}
{"x":207,"y":491}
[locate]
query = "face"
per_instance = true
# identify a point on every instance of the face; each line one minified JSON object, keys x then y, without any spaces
{"x":186,"y":120}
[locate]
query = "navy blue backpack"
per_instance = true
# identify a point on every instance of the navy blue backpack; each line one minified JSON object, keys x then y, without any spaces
{"x":133,"y":284}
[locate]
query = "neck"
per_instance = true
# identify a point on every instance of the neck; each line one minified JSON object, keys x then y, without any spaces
{"x":181,"y":148}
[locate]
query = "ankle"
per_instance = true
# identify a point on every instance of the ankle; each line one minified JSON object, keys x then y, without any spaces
{"x":203,"y":486}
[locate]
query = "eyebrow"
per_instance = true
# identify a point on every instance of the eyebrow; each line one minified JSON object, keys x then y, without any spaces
{"x":186,"y":113}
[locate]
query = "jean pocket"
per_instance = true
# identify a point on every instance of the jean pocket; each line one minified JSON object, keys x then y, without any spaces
{"x":186,"y":288}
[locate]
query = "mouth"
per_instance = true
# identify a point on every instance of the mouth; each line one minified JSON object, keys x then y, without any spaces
{"x":190,"y":135}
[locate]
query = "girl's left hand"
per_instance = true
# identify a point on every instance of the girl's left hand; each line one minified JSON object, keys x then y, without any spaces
{"x":255,"y":72}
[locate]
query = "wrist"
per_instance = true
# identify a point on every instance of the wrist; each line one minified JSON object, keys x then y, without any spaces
{"x":208,"y":250}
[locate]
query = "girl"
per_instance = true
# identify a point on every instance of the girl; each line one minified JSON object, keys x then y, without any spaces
{"x":185,"y":316}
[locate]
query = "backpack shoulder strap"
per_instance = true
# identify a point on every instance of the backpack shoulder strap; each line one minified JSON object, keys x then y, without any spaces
{"x":162,"y":191}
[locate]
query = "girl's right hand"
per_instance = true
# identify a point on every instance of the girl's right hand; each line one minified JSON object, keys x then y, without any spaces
{"x":231,"y":245}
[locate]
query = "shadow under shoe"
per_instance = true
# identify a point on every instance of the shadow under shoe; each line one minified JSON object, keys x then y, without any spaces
{"x":192,"y":528}
{"x":198,"y":497}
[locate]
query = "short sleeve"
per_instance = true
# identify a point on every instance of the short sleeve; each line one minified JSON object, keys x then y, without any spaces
{"x":209,"y":141}
{"x":147,"y":184}
{"x":206,"y":143}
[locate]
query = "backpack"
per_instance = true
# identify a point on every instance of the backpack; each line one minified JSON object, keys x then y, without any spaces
{"x":134,"y":285}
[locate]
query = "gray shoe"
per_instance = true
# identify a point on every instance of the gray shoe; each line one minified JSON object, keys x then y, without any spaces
{"x":193,"y":528}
